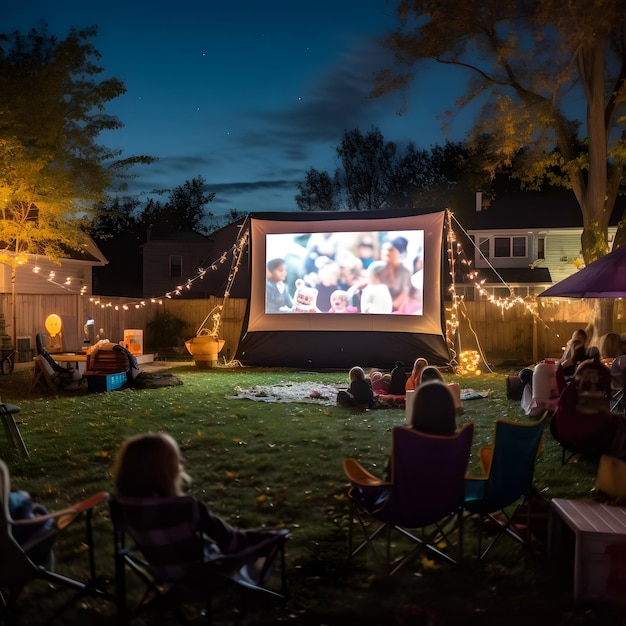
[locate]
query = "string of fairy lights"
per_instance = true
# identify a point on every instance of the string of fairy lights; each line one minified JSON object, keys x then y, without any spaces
{"x":236,"y":250}
{"x":458,"y":309}
{"x":461,"y":360}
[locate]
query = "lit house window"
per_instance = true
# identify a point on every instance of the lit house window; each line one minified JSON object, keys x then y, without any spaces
{"x":509,"y":247}
{"x":176,"y":266}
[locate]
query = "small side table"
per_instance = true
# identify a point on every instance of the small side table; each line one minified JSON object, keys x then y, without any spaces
{"x":600,"y":535}
{"x":10,"y":427}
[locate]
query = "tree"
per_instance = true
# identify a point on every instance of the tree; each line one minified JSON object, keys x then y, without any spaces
{"x":379,"y":174}
{"x":368,"y":164}
{"x":532,"y":62}
{"x":52,"y":170}
{"x":318,"y":192}
{"x":185,"y":209}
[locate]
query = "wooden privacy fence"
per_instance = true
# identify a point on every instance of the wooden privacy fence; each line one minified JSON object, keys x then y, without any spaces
{"x":113,"y":316}
{"x":512,"y":335}
{"x":517,"y":335}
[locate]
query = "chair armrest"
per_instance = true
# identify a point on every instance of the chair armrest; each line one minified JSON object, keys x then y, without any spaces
{"x":485,"y":454}
{"x":358,"y":475}
{"x":474,"y":492}
{"x":65,"y":516}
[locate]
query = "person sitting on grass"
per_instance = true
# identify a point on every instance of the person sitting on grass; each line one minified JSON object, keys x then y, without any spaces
{"x":359,"y":393}
{"x":397,"y":386}
{"x":413,"y":380}
{"x":149,"y":465}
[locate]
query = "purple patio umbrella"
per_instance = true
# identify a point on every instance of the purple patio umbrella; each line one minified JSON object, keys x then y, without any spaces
{"x":604,"y":278}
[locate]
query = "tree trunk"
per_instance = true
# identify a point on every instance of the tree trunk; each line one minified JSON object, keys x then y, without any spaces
{"x":602,"y":320}
{"x":13,"y":309}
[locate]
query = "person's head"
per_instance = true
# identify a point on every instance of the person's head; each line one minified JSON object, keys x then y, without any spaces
{"x":610,"y":346}
{"x":434,"y":405}
{"x":430,"y":373}
{"x":339,"y":300}
{"x":419,"y":365}
{"x":393,"y":250}
{"x":579,"y":336}
{"x":374,"y":272}
{"x":276,"y":270}
{"x":366,"y":248}
{"x":328,"y":274}
{"x":350,"y":270}
{"x":149,"y":465}
{"x":356,"y":373}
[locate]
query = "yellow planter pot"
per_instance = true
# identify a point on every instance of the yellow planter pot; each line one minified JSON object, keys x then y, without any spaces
{"x":204,"y":350}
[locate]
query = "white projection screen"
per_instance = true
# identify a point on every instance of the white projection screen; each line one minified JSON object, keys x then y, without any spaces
{"x":343,"y":289}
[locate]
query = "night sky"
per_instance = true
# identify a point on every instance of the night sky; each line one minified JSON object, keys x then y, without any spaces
{"x":249,"y":95}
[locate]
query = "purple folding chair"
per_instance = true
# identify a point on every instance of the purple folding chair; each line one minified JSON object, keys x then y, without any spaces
{"x":425,"y":492}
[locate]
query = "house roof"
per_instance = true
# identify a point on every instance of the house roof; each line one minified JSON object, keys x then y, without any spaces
{"x":187,"y":236}
{"x":89,"y":252}
{"x":536,"y":209}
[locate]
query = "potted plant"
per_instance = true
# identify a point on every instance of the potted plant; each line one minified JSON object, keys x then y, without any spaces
{"x":206,"y":344}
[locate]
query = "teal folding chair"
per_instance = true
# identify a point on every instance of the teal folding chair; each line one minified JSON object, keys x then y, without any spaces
{"x":508,"y":469}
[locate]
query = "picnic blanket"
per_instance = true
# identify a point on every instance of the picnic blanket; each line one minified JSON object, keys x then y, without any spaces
{"x":472,"y":394}
{"x":309,"y":393}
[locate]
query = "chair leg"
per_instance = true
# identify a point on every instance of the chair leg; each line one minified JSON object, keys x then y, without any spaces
{"x":120,"y":590}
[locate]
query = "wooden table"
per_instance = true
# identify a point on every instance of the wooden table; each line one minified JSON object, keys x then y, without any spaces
{"x":78,"y":359}
{"x":600,"y":546}
{"x":70,"y":358}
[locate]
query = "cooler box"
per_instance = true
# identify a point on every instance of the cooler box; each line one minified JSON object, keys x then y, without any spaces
{"x":133,"y":340}
{"x":106,"y":382}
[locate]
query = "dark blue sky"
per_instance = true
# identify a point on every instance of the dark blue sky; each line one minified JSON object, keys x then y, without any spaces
{"x":247,"y":94}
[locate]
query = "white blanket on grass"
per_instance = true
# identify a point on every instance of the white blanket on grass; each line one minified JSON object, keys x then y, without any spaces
{"x":310,"y":393}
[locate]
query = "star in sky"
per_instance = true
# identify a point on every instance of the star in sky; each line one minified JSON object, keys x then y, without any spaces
{"x":248,"y":95}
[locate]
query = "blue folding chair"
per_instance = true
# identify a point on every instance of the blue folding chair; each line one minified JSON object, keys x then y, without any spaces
{"x":508,"y":468}
{"x":425,"y":493}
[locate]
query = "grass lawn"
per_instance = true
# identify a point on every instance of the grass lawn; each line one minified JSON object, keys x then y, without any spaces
{"x":280,"y":464}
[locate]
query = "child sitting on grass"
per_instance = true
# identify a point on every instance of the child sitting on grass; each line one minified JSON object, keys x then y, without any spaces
{"x":359,"y":393}
{"x":413,"y":380}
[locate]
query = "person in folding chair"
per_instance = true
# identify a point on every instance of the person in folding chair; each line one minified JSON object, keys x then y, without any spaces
{"x":27,"y":536}
{"x":583,"y":422}
{"x":189,"y":551}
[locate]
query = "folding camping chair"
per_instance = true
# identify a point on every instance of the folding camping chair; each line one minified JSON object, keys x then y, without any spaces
{"x":160,"y":540}
{"x":425,"y":494}
{"x":508,"y":468}
{"x":21,"y":563}
{"x":583,"y":422}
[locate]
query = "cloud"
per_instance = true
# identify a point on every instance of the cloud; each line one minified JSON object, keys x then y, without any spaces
{"x":272,"y":150}
{"x":340,"y":99}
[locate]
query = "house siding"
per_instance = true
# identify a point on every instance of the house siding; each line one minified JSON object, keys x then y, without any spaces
{"x":156,"y":267}
{"x":562,"y":247}
{"x":29,"y":282}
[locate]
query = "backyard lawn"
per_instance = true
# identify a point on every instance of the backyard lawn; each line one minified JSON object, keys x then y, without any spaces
{"x":279,"y":464}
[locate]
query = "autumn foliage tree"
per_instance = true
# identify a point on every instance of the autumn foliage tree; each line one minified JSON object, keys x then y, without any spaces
{"x":52,"y":169}
{"x":550,"y":79}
